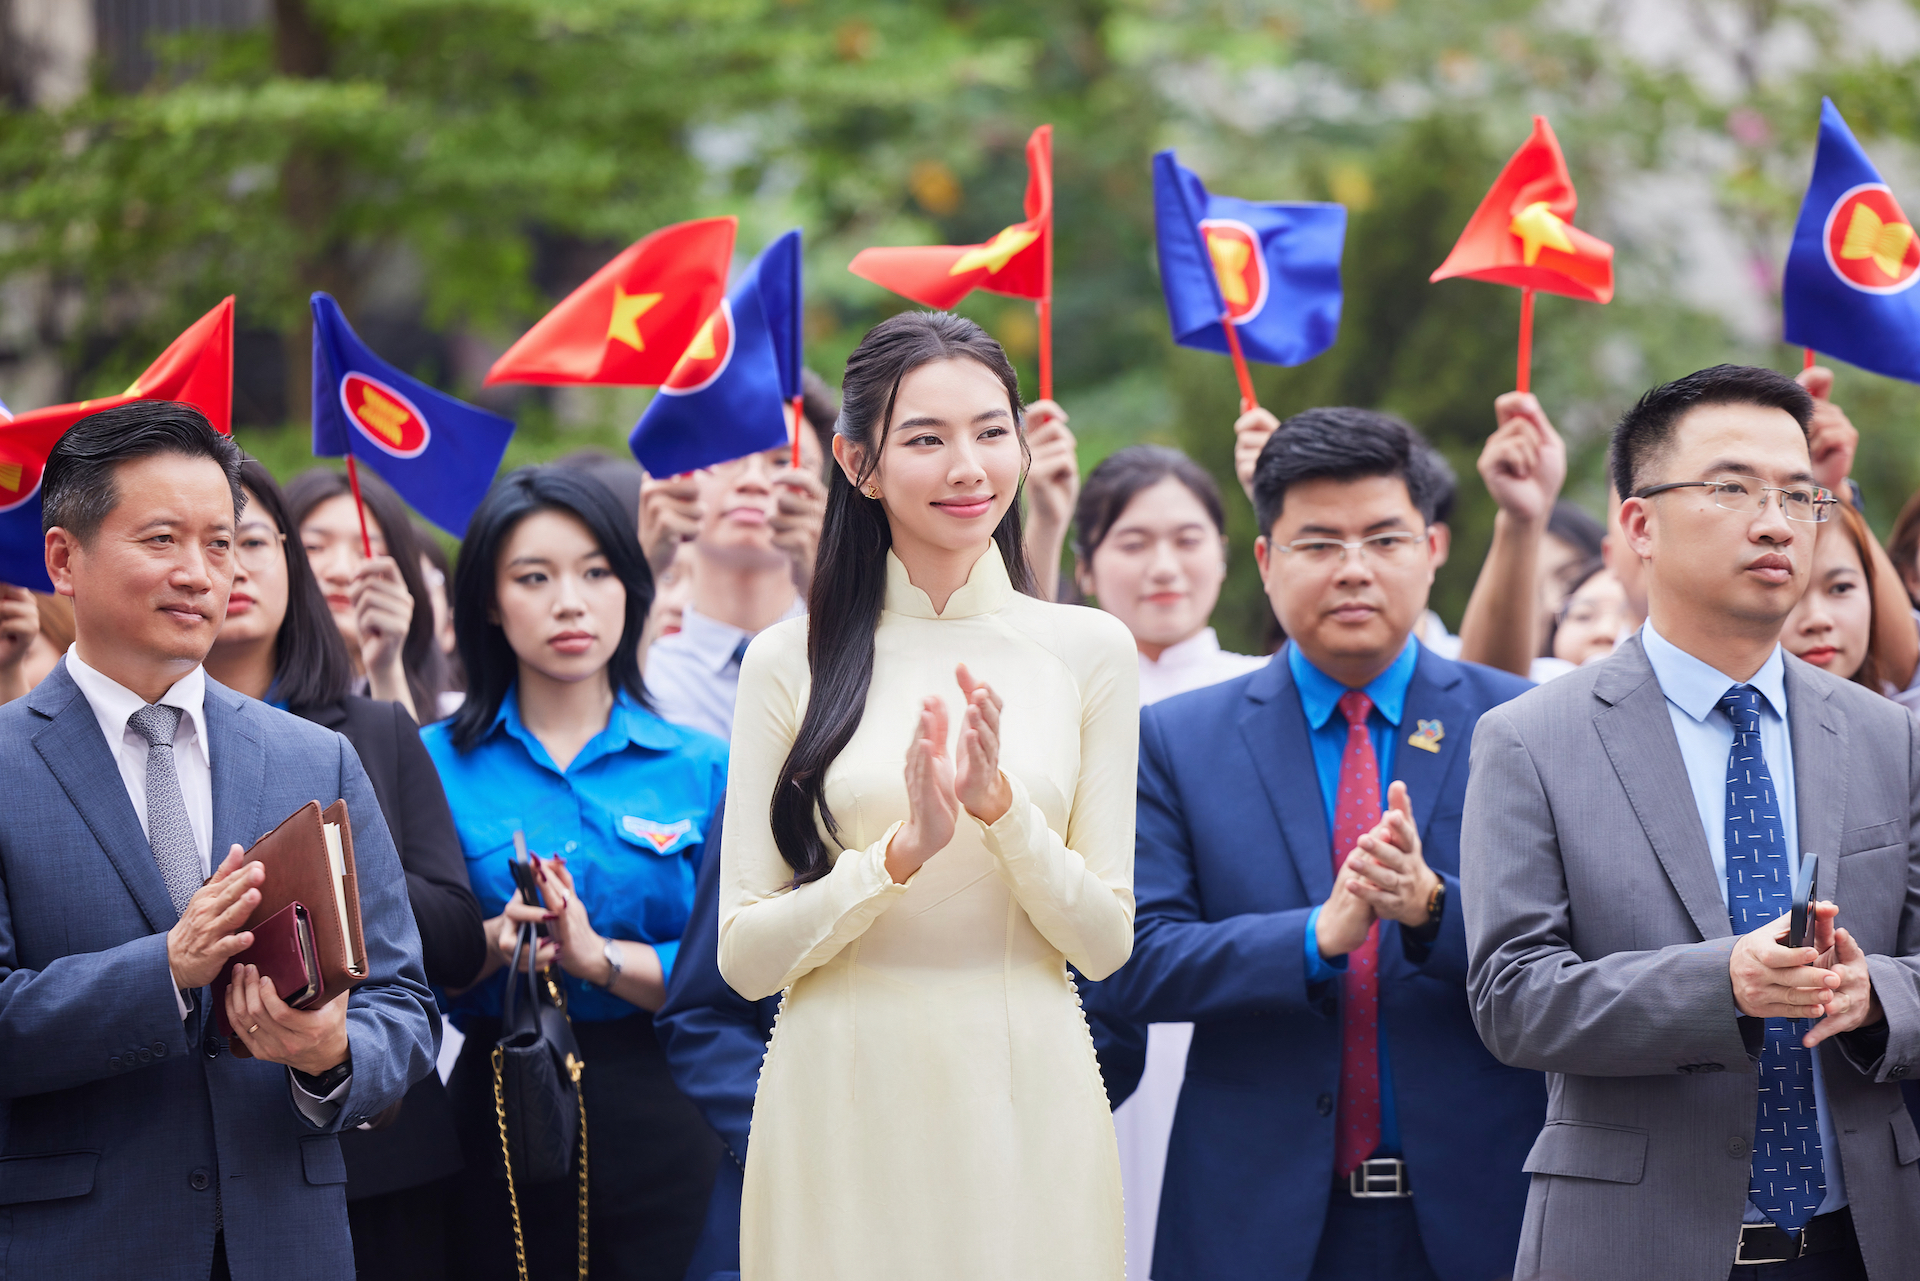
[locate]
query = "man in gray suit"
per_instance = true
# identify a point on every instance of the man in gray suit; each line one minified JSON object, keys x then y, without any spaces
{"x":1719,"y":1103}
{"x":132,"y":1142}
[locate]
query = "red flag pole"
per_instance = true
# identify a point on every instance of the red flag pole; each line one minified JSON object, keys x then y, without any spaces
{"x":798,"y":401}
{"x":353,"y":479}
{"x":1043,"y":309}
{"x":1523,"y":374}
{"x":1248,"y":402}
{"x":1809,"y":357}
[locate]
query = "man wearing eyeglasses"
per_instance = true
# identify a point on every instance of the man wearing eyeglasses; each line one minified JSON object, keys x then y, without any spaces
{"x":1296,"y":867}
{"x":1725,"y":1101}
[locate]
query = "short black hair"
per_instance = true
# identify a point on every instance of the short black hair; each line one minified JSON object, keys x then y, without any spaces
{"x":77,"y":492}
{"x":311,"y":667}
{"x":1576,"y":527}
{"x":1112,"y":485}
{"x":492,"y":667}
{"x":1646,"y":429}
{"x":1343,"y":443}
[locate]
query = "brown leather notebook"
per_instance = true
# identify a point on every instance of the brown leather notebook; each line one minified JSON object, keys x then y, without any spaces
{"x":309,"y":861}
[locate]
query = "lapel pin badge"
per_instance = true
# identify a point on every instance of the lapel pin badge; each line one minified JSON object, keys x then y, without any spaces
{"x":1427,"y":737}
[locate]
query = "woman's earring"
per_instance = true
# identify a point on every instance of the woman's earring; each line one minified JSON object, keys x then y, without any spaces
{"x":873,"y":491}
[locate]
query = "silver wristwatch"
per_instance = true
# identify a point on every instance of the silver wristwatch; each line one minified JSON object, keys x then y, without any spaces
{"x":612,"y":952}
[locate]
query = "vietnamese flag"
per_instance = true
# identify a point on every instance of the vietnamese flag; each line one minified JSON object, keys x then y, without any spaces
{"x":1014,"y":263}
{"x":629,"y":323}
{"x":1523,"y":234}
{"x":196,"y":369}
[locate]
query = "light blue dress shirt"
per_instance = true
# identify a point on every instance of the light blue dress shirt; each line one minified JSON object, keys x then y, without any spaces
{"x":628,"y":815}
{"x":1320,"y":698}
{"x":1705,"y":733}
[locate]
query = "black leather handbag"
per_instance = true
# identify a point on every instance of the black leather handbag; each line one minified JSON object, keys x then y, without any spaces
{"x":536,"y":1089}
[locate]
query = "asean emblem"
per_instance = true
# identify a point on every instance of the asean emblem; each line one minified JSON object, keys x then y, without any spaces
{"x":1427,"y":737}
{"x":384,"y":416}
{"x":19,"y":482}
{"x":1239,"y":266}
{"x":706,"y":357}
{"x":661,"y":836}
{"x":1870,"y":244}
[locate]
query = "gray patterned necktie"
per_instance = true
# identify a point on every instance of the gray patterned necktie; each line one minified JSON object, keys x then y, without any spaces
{"x":168,"y":831}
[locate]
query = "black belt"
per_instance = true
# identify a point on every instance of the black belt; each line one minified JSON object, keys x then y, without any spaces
{"x":1762,"y":1243}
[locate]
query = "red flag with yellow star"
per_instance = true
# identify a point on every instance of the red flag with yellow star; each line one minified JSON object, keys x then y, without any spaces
{"x":1523,"y":234}
{"x":1015,"y":263}
{"x":630,"y":322}
{"x":195,"y":369}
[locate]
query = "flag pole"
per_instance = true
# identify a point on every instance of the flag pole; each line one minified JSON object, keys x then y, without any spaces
{"x":1248,"y":402}
{"x":1523,"y":373}
{"x":353,"y":479}
{"x":1808,"y":356}
{"x":798,"y":402}
{"x":1043,"y":308}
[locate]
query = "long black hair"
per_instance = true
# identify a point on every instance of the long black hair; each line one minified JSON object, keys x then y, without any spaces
{"x":311,"y":667}
{"x":491,"y":664}
{"x":1123,"y":474}
{"x":419,"y":655}
{"x":850,"y":578}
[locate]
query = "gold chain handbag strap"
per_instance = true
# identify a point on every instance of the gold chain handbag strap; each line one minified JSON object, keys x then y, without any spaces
{"x":575,"y":1066}
{"x":506,"y":1155}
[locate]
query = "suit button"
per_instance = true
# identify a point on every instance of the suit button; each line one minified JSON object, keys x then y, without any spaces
{"x":159,"y":1049}
{"x":211,"y":1045}
{"x":1896,"y":1073}
{"x":1713,"y":1067}
{"x":1324,"y":1105}
{"x":146,"y":1056}
{"x":199,"y":1181}
{"x":1737,"y":1146}
{"x":114,"y":1063}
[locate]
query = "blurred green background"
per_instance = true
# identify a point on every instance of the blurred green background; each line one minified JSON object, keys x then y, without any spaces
{"x":447,"y":168}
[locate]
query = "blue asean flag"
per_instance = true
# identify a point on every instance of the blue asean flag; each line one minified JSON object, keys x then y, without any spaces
{"x":1273,"y":269}
{"x":440,"y":454}
{"x":727,"y":396}
{"x":1849,"y":289}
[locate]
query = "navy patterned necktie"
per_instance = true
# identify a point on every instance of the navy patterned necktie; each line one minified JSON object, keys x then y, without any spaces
{"x":1789,"y":1178}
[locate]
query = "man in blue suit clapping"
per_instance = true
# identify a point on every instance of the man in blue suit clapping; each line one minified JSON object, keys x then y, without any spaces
{"x":132,"y":1141}
{"x":1340,"y":1119}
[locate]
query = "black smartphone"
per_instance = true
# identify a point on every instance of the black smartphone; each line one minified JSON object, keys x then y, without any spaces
{"x":521,"y":864}
{"x":1800,"y":928}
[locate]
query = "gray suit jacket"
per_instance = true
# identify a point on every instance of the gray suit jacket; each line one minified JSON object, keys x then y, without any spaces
{"x":1598,"y":953}
{"x":118,"y":1120}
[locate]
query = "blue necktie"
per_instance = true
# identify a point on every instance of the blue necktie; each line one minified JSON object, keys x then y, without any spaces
{"x":1789,"y":1179}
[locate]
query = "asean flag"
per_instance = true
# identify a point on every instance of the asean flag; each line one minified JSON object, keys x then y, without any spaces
{"x":1013,"y":263}
{"x":1523,"y":234}
{"x":1273,"y":270}
{"x":629,"y":323}
{"x":1849,"y":288}
{"x":727,"y":395}
{"x":438,"y":453}
{"x":195,"y":369}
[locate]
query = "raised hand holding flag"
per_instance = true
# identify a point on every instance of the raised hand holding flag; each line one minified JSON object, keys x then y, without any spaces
{"x":195,"y":369}
{"x":1523,"y":235}
{"x":1850,"y":277}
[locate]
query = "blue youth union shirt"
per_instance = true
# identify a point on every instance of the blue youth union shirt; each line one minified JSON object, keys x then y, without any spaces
{"x":629,"y":815}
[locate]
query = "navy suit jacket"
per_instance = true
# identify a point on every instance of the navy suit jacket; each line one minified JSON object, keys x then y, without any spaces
{"x":715,"y":1039}
{"x":118,"y":1119}
{"x":1233,"y":854}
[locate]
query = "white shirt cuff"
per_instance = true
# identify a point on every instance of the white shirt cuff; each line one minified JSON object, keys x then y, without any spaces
{"x":316,"y":1109}
{"x":179,"y":998}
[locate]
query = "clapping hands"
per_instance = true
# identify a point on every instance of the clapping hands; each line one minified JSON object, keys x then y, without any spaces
{"x":1384,"y":878}
{"x":939,"y":785}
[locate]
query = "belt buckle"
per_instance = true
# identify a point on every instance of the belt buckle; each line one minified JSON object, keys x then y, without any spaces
{"x":1379,"y":1177}
{"x":1740,"y":1259}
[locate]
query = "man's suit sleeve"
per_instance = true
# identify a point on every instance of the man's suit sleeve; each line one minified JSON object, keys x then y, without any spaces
{"x":1896,"y":979}
{"x":453,"y":945}
{"x":1536,"y":1003}
{"x":393,"y":1029}
{"x":1185,"y":967}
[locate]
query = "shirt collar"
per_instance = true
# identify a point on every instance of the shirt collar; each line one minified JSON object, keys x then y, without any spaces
{"x":987,"y":588}
{"x":113,"y":702}
{"x":714,"y":643}
{"x":628,"y":722}
{"x":1695,"y":686}
{"x":1199,"y":647}
{"x":1320,"y":693}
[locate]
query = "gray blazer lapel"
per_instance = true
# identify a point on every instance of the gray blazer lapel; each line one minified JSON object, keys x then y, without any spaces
{"x":1275,"y":731}
{"x":78,"y":757}
{"x":1819,"y":770}
{"x":237,"y":755}
{"x":1637,"y":732}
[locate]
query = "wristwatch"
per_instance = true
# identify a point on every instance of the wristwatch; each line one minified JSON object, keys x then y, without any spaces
{"x":321,"y":1084}
{"x":1436,"y":900}
{"x":611,"y":950}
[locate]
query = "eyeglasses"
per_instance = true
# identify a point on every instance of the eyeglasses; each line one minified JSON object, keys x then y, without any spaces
{"x":1392,"y":548}
{"x":1747,"y":495}
{"x":258,"y":549}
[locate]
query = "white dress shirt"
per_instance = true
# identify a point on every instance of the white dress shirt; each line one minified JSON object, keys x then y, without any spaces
{"x":112,"y":704}
{"x":1145,"y":1121}
{"x":693,"y":676}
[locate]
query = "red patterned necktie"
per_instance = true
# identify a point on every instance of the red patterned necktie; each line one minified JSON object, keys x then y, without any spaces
{"x":1355,"y":811}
